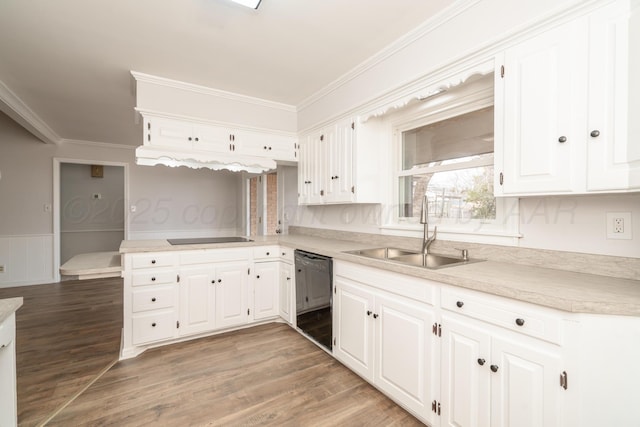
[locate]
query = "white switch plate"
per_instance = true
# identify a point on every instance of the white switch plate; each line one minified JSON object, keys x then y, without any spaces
{"x":619,"y":225}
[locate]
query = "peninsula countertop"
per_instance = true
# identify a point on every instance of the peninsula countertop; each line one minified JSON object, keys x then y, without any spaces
{"x":563,"y":290}
{"x":8,"y":306}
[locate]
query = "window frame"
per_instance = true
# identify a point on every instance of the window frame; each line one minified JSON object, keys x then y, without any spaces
{"x":504,"y":229}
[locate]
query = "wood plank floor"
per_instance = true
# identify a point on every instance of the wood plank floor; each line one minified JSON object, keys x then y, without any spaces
{"x":265,"y":375}
{"x":66,"y":334}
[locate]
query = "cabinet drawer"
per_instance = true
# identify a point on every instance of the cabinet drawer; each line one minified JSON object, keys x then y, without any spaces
{"x":153,"y":298}
{"x":266,"y":252}
{"x":514,"y":315}
{"x":286,"y":254}
{"x":207,"y":256}
{"x":153,"y":260}
{"x":154,"y":326}
{"x":151,"y":277}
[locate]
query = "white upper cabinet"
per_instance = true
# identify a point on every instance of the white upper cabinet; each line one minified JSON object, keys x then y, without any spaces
{"x":204,"y":137}
{"x":563,"y":105}
{"x":540,"y":101}
{"x":613,"y":128}
{"x":340,"y":163}
{"x":274,"y":146}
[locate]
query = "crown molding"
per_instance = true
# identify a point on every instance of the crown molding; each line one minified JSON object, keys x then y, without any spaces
{"x":15,"y":108}
{"x":161,"y":81}
{"x":459,"y":69}
{"x":97,"y":144}
{"x":425,"y":28}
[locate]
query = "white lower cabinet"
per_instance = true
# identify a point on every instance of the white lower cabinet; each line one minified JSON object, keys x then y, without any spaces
{"x":265,"y":289}
{"x":387,"y":340}
{"x":232,"y":302}
{"x":285,"y":292}
{"x":492,"y":380}
{"x":213,"y":297}
{"x":197,"y":300}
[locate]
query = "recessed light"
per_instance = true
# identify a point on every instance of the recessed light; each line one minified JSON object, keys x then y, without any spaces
{"x":249,"y":3}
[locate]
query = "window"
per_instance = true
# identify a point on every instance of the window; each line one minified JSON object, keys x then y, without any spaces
{"x":451,"y":162}
{"x":444,"y":149}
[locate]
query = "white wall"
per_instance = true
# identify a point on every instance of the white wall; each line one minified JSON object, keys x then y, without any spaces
{"x":437,"y":44}
{"x":578,"y":224}
{"x":170,"y":202}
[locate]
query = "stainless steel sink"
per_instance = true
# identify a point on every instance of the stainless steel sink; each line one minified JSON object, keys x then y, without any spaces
{"x":429,"y":260}
{"x":383,"y":253}
{"x":414,"y":258}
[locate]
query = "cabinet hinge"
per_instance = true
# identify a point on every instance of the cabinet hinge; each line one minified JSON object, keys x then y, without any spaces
{"x":248,"y":271}
{"x":353,"y":189}
{"x":334,"y":341}
{"x":501,"y":178}
{"x":353,"y":125}
{"x":177,"y":324}
{"x":564,"y":380}
{"x":435,"y":407}
{"x":178,"y":278}
{"x":149,"y":137}
{"x":248,"y":311}
{"x":502,"y":71}
{"x":149,"y":125}
{"x":437,"y":329}
{"x":335,"y":289}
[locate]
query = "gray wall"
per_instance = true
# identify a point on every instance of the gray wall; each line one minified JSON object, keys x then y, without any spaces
{"x":88,"y":224}
{"x":169,"y":201}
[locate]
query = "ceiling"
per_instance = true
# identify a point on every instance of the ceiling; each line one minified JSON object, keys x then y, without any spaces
{"x":69,"y":60}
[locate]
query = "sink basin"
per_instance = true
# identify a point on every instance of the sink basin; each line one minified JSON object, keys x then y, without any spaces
{"x":428,"y":261}
{"x":408,"y":257}
{"x":383,"y":253}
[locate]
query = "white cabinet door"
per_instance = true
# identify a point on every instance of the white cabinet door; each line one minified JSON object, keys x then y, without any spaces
{"x":613,"y":130}
{"x":231,"y":294}
{"x":466,"y":386}
{"x":544,"y":80}
{"x":353,"y":327}
{"x":197,"y":300}
{"x":525,"y":386}
{"x":168,"y":133}
{"x":269,"y":145}
{"x":405,"y":353}
{"x":213,"y":138}
{"x":285,"y":293}
{"x":340,"y":164}
{"x":305,"y":171}
{"x":265,"y":289}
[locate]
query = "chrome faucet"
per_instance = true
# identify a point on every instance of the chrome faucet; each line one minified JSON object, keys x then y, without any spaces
{"x":424,"y":219}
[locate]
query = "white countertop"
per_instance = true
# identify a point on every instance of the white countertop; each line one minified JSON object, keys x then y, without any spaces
{"x":563,"y":290}
{"x":8,"y":306}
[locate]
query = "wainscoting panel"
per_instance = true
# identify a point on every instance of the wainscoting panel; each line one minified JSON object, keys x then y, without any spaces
{"x":27,"y":260}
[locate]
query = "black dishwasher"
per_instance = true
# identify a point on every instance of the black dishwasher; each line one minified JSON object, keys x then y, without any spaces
{"x":314,"y":277}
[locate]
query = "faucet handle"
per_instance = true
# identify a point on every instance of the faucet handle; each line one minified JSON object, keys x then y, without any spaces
{"x":465,"y":253}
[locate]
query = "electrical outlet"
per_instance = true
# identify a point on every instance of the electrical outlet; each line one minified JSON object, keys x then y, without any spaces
{"x":619,"y":225}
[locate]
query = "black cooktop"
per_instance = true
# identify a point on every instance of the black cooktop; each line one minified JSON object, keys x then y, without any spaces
{"x":206,"y":240}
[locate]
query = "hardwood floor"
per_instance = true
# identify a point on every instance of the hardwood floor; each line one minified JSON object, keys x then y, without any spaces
{"x":66,"y":334}
{"x":265,"y":375}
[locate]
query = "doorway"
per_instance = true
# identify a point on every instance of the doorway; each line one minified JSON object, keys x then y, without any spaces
{"x":263,"y":205}
{"x":89,"y":208}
